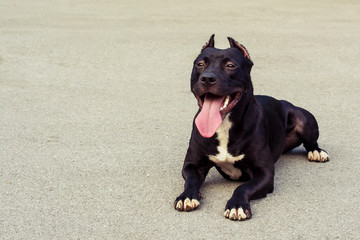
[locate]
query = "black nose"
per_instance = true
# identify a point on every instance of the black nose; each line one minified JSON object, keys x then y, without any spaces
{"x":208,"y":78}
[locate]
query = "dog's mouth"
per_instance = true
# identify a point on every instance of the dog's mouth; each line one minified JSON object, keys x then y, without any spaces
{"x":213,"y":109}
{"x":226,"y":102}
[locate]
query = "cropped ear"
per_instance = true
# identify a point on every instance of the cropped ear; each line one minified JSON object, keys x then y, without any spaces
{"x":235,"y":44}
{"x":210,"y":43}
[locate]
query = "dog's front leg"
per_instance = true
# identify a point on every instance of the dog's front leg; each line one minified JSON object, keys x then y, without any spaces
{"x":262,"y":183}
{"x":194,"y":173}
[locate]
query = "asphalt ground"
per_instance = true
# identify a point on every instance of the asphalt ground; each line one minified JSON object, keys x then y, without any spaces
{"x":96,"y":114}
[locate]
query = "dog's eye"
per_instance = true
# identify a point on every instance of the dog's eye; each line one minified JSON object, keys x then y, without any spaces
{"x":230,"y":66}
{"x":200,"y":64}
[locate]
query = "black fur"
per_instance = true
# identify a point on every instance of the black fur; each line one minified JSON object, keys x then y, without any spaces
{"x":262,"y":128}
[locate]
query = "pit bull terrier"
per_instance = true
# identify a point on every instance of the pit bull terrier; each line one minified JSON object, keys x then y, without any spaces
{"x":241,"y":134}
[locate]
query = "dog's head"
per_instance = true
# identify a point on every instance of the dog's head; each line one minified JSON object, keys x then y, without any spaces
{"x":219,"y":80}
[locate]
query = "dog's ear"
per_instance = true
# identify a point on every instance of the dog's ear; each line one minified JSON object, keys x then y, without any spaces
{"x":210,"y":43}
{"x":235,"y":44}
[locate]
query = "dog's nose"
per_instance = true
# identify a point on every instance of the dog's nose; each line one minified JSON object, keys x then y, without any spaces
{"x":208,"y":78}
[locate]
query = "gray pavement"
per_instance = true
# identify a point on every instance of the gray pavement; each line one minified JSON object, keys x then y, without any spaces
{"x":96,"y":113}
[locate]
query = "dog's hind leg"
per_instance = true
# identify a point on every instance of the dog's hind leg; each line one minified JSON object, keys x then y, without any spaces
{"x":302,"y":127}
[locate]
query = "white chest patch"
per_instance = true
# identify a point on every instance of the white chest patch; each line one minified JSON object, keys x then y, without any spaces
{"x":224,"y":159}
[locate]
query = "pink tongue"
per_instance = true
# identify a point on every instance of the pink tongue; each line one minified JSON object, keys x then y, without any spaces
{"x":209,"y":119}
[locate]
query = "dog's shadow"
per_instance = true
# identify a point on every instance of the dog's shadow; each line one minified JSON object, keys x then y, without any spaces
{"x":298,"y":151}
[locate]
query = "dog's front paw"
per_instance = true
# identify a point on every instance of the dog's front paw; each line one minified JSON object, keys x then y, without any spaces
{"x":186,"y":204}
{"x":240,"y":213}
{"x":318,"y":156}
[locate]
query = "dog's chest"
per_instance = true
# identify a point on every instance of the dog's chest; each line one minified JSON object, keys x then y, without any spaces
{"x":223,"y":158}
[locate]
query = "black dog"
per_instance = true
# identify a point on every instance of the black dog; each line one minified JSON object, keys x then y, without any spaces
{"x":242,"y":135}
